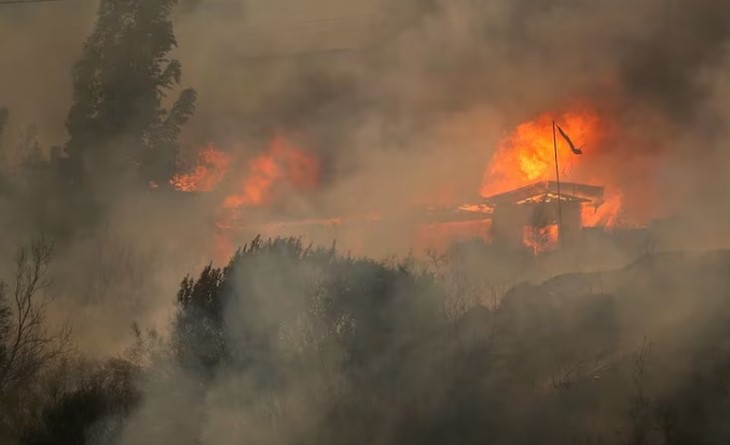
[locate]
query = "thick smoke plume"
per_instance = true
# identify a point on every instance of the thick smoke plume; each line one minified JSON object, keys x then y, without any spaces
{"x":378,"y":91}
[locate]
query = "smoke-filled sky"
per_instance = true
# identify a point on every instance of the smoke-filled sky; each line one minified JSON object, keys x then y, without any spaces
{"x":366,"y":79}
{"x":406,"y":101}
{"x":403,"y":102}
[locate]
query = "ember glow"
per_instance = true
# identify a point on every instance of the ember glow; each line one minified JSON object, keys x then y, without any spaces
{"x":212,"y":167}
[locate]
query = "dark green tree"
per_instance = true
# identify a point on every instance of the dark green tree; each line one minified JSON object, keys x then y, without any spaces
{"x":118,"y":122}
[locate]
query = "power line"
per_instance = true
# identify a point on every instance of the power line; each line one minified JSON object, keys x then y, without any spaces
{"x":20,"y":2}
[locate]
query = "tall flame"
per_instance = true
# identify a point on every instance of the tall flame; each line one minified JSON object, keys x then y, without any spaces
{"x":526,"y":155}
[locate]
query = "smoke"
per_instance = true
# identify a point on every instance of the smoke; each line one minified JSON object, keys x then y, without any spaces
{"x":378,"y":94}
{"x":39,"y":44}
{"x":370,"y":86}
{"x":402,"y":103}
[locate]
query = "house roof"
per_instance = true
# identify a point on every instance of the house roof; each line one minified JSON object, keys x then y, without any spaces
{"x":547,"y":191}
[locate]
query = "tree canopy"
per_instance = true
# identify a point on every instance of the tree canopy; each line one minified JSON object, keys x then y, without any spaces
{"x":118,"y":121}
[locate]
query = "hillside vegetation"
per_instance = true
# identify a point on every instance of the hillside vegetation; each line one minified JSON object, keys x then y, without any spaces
{"x":290,"y":344}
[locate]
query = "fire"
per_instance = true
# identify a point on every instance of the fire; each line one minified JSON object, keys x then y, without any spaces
{"x":540,"y":239}
{"x":607,"y":214}
{"x":212,"y":167}
{"x":526,"y":155}
{"x":283,"y":164}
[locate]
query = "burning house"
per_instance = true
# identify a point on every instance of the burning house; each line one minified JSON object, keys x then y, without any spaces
{"x":542,"y":214}
{"x":520,"y":208}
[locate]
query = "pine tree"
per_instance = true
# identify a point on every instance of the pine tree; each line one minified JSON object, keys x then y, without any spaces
{"x":117,"y":121}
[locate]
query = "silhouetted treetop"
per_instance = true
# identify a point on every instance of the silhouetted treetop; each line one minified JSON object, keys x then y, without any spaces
{"x":117,"y":119}
{"x":237,"y":314}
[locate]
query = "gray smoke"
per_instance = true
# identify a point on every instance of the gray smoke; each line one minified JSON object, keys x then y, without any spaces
{"x":405,"y":101}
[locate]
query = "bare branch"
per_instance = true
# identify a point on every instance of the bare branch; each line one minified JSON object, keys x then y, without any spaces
{"x":28,"y":346}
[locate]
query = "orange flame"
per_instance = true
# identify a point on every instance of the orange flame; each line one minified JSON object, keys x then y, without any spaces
{"x":540,"y":239}
{"x":607,"y":214}
{"x":283,"y":162}
{"x":527,"y":155}
{"x":212,"y":167}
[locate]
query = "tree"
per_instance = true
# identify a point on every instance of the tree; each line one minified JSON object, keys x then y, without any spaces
{"x":93,"y":410}
{"x":269,"y":284}
{"x":117,"y":121}
{"x":26,"y":344}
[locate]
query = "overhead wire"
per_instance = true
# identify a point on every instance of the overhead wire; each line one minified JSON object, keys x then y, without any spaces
{"x":20,"y":2}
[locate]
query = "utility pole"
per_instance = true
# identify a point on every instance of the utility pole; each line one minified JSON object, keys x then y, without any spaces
{"x":557,"y":178}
